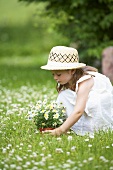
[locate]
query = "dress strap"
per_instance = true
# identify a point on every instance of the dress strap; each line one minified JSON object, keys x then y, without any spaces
{"x":85,"y":77}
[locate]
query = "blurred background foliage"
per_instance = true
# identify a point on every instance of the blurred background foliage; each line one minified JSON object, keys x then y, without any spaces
{"x":87,"y":24}
{"x":30,"y":28}
{"x":25,"y":37}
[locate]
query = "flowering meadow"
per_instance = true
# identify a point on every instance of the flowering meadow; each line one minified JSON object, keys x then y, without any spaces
{"x":23,"y":147}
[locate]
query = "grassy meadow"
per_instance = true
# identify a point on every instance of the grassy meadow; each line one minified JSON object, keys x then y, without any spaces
{"x":22,"y":146}
{"x":22,"y":84}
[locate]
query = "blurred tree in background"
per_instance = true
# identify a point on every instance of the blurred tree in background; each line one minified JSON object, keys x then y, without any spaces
{"x":23,"y":34}
{"x":33,"y":27}
{"x":87,"y":24}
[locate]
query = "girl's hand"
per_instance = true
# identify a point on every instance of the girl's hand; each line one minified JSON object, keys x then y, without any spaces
{"x":54,"y":132}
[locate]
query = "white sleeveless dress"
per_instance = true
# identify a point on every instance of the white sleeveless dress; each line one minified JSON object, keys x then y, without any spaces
{"x":98,"y":114}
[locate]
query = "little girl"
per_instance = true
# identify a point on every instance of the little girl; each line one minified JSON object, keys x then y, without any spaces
{"x":86,"y":94}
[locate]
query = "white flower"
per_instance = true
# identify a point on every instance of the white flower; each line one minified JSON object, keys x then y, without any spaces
{"x":63,"y":111}
{"x":90,"y":159}
{"x":102,"y":157}
{"x":38,"y":106}
{"x":59,"y":150}
{"x":46,"y":116}
{"x":4,"y":150}
{"x":49,"y":155}
{"x":59,"y":139}
{"x":12,"y":166}
{"x":18,"y":158}
{"x":84,"y":161}
{"x":43,"y":124}
{"x":61,"y":120}
{"x":52,"y":167}
{"x":70,"y":161}
{"x":21,"y":144}
{"x":73,"y":148}
{"x":34,"y":154}
{"x":89,"y":145}
{"x":54,"y":124}
{"x":31,"y":114}
{"x":107,"y":147}
{"x":42,"y":154}
{"x":56,"y":116}
{"x":51,"y":106}
{"x":28,"y":163}
{"x":91,"y":136}
{"x":54,"y":110}
{"x":68,"y":153}
{"x":86,"y":140}
{"x":70,"y":138}
{"x":9,"y":145}
{"x":44,"y":148}
{"x":18,"y":168}
{"x":65,"y":166}
{"x":42,"y":111}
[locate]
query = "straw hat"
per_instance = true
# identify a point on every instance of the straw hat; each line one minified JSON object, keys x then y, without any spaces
{"x":63,"y":58}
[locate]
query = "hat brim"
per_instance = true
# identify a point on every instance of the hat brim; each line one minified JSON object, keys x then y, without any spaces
{"x":66,"y":67}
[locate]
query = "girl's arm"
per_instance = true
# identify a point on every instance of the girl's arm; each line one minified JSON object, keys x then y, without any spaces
{"x":82,"y":96}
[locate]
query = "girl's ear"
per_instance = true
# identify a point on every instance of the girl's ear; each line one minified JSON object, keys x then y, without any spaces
{"x":73,"y":72}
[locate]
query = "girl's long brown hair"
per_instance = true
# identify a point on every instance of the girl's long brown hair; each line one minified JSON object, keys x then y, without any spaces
{"x":78,"y":74}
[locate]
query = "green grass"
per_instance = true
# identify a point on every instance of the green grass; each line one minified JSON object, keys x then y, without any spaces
{"x":22,"y":146}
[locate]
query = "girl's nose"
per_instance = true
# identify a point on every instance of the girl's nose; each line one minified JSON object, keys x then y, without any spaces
{"x":55,"y":77}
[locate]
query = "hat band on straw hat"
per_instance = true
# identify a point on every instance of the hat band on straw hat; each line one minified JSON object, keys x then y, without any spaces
{"x":63,"y":57}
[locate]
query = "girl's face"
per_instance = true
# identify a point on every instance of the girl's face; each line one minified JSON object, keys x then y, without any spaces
{"x":63,"y":76}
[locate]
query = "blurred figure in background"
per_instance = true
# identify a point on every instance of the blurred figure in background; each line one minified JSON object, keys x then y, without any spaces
{"x":107,"y":62}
